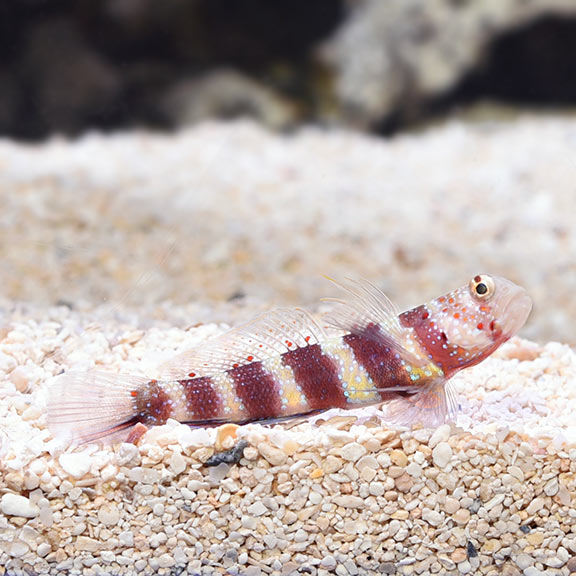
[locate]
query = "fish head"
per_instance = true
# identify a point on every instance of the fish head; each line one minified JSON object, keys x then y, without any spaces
{"x":466,"y":325}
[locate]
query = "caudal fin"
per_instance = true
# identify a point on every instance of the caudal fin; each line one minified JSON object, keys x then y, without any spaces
{"x":89,"y":406}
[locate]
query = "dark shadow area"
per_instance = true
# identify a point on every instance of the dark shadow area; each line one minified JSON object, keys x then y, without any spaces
{"x":69,"y":66}
{"x":533,"y":66}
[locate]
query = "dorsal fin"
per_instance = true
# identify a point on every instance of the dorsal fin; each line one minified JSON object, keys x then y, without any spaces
{"x":369,"y":313}
{"x":268,"y":335}
{"x":366,"y":306}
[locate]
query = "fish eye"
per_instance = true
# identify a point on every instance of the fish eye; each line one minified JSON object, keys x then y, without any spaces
{"x":482,"y":287}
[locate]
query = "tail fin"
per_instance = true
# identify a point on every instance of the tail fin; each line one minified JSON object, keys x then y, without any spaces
{"x":90,"y":406}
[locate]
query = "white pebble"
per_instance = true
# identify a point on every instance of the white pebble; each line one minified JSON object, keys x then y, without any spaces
{"x":300,"y":536}
{"x":217,"y":473}
{"x":257,"y":509}
{"x":559,"y":559}
{"x":415,"y":470}
{"x":441,"y":434}
{"x":76,"y":465}
{"x":535,"y":505}
{"x":43,"y":549}
{"x":328,"y":562}
{"x":180,"y":556}
{"x":77,"y":529}
{"x":16,"y":505}
{"x":442,"y":454}
{"x":109,"y":515}
{"x":18,"y":549}
{"x":177,"y":463}
{"x":315,"y":498}
{"x":551,"y":488}
{"x":128,"y":454}
{"x":432,"y":517}
{"x":352,"y":451}
{"x":377,"y":489}
{"x":166,"y":561}
{"x":21,"y":377}
{"x":87,"y":544}
{"x":533,"y":571}
{"x":126,"y":539}
{"x":524,"y":561}
{"x":349,"y":501}
{"x":145,"y":475}
{"x":108,"y":556}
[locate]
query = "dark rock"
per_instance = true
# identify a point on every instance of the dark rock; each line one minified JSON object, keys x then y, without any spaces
{"x":232,"y":456}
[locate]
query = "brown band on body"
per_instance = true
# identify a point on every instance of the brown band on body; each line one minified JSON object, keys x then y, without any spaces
{"x":317,"y":375}
{"x":257,"y":390}
{"x":154,"y":404}
{"x":376,"y":353}
{"x":202,"y":400}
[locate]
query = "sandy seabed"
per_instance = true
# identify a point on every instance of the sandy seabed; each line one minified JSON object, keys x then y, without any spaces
{"x":492,"y":493}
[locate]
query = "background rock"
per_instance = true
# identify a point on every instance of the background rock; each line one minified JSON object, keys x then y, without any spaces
{"x":394,"y":58}
{"x":70,"y":66}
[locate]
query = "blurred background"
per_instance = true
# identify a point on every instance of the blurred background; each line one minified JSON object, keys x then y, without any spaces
{"x":67,"y":66}
{"x":154,"y":154}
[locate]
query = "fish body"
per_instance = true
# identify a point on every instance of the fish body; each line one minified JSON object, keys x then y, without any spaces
{"x":284,"y":364}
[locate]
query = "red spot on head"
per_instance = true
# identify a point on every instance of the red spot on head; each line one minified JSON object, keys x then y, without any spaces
{"x":307,"y":338}
{"x":451,"y":301}
{"x":425,"y":315}
{"x":456,"y":315}
{"x":249,"y":358}
{"x":480,"y":326}
{"x":134,"y":393}
{"x":496,"y":329}
{"x":288,"y":343}
{"x":192,"y":375}
{"x":235,"y":365}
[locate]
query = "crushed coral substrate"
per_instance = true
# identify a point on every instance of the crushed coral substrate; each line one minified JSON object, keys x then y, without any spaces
{"x":492,"y":493}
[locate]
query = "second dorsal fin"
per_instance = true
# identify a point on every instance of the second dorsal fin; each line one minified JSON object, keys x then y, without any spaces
{"x":268,"y":335}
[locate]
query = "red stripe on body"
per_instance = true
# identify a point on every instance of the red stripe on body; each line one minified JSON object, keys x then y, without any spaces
{"x":257,"y":390}
{"x":378,"y":357}
{"x":318,"y":377}
{"x":449,"y":356}
{"x":154,"y":405}
{"x":202,"y":399}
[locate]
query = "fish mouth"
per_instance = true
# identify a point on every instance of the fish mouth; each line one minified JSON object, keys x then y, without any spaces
{"x":513,"y":308}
